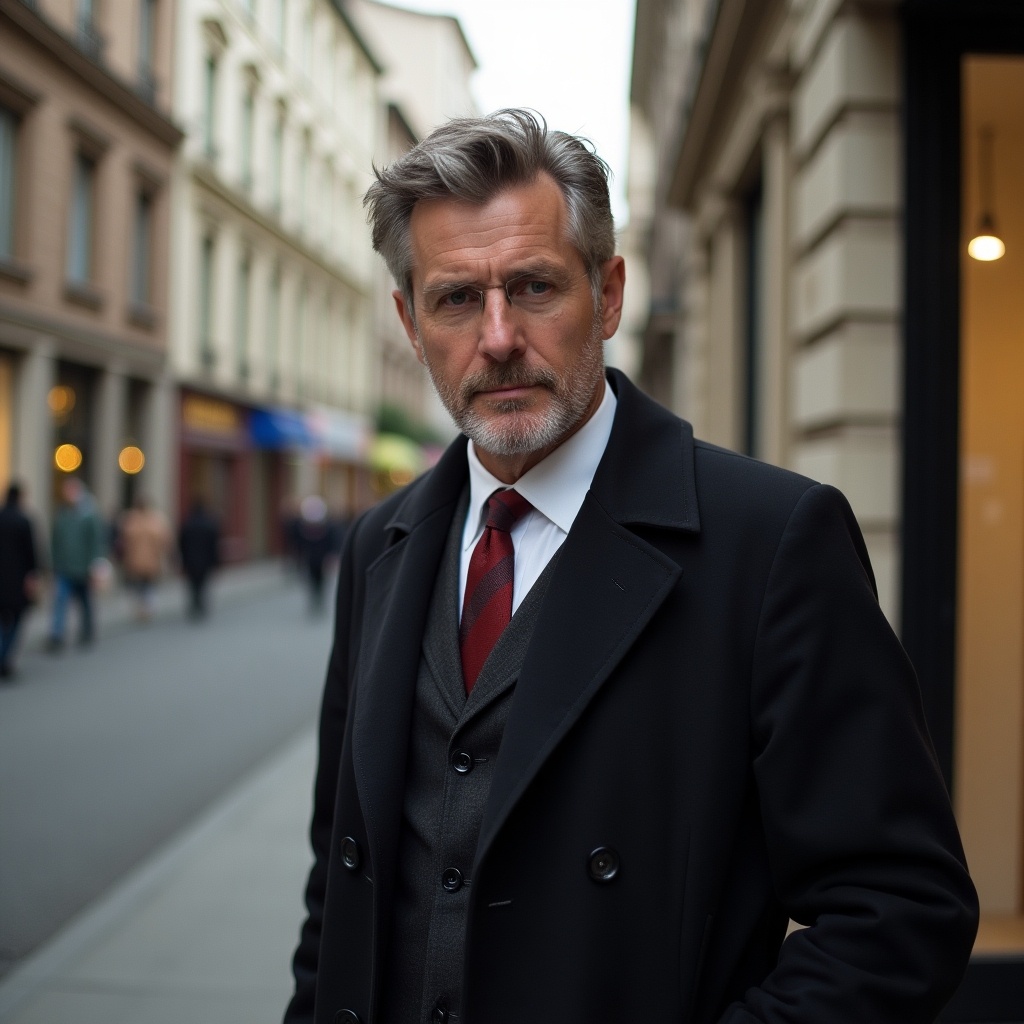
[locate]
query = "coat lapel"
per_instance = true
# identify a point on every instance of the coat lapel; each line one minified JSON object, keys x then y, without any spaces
{"x":399,"y":586}
{"x":608,"y":584}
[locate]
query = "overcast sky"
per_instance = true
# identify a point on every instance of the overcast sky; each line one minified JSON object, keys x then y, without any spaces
{"x":569,"y":59}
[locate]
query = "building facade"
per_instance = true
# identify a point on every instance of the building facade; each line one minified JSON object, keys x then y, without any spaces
{"x":809,"y":175}
{"x":272,"y":277}
{"x":86,"y":156}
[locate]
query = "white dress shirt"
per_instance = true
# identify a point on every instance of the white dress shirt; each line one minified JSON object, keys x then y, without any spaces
{"x":555,"y":487}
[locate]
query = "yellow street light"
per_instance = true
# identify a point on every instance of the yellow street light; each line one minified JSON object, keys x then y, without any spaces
{"x":67,"y":458}
{"x":131,"y":460}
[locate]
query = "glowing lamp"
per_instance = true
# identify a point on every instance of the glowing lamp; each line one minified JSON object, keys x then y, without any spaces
{"x":67,"y":458}
{"x":131,"y":459}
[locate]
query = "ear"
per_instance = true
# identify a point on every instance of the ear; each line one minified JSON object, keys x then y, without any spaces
{"x":613,"y":277}
{"x":405,"y":315}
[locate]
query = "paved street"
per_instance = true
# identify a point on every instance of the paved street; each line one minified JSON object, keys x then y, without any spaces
{"x":108,"y":753}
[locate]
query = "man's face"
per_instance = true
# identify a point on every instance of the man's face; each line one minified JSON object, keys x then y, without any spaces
{"x":525,"y":371}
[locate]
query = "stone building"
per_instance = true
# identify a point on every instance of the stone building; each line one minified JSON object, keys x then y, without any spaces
{"x":272,"y":273}
{"x":86,"y":153}
{"x":807,"y":176}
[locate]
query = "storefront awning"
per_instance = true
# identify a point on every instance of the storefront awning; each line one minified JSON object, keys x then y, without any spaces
{"x":279,"y":429}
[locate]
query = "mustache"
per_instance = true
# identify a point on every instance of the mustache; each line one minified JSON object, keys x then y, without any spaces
{"x":507,"y":375}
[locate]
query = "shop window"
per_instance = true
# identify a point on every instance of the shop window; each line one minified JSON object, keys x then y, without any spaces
{"x":989,"y":751}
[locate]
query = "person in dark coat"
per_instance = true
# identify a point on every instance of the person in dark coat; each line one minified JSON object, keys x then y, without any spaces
{"x":316,"y":543}
{"x":608,"y":706}
{"x":199,"y":548}
{"x":19,"y":579}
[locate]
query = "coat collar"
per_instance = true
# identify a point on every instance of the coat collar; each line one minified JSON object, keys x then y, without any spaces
{"x":624,"y":484}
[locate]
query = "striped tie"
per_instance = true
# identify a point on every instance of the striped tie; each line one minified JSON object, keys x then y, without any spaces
{"x":487,"y":608}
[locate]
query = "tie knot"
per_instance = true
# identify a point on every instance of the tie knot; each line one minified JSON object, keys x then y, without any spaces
{"x":505,"y":509}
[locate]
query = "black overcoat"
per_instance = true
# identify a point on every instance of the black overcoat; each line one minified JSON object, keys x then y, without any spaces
{"x":711,"y":694}
{"x":18,"y":559}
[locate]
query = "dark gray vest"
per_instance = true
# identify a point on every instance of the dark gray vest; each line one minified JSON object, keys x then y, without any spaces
{"x":452,"y":751}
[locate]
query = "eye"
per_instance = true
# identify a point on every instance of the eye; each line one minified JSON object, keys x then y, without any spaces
{"x":457,"y":299}
{"x":533,"y":290}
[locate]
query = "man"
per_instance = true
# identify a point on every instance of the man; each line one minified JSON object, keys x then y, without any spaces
{"x":199,"y":549}
{"x":19,"y":576}
{"x":697,"y":724}
{"x":78,"y":542}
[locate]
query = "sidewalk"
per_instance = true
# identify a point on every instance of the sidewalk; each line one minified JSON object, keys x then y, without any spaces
{"x":202,"y":933}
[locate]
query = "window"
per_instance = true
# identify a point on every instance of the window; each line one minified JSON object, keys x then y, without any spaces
{"x":89,"y":38}
{"x":277,"y":161}
{"x":206,"y":272}
{"x":242,"y":317}
{"x":248,"y":119}
{"x":8,"y":179}
{"x":753,"y":339}
{"x":147,"y":31}
{"x":142,"y":250}
{"x":307,"y":40}
{"x":279,"y":20}
{"x":274,"y":328}
{"x":210,"y":107}
{"x":82,"y":218}
{"x":304,"y":180}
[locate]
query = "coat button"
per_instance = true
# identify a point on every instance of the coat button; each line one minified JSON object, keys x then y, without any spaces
{"x":451,"y":879}
{"x":440,"y":1014}
{"x":350,"y":855}
{"x":603,"y":864}
{"x":346,"y":1017}
{"x":462,"y":761}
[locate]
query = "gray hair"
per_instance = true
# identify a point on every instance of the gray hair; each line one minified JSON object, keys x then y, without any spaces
{"x":476,"y":158}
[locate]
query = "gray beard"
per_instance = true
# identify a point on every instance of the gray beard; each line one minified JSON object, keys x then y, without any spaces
{"x":522,"y":431}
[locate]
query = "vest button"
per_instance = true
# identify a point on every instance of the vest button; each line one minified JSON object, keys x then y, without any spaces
{"x":346,"y":1017}
{"x":440,"y":1014}
{"x":603,"y":864}
{"x":451,"y":880}
{"x":462,"y":761}
{"x":350,"y":853}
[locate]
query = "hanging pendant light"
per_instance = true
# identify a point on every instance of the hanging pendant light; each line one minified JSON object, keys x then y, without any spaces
{"x":986,"y":245}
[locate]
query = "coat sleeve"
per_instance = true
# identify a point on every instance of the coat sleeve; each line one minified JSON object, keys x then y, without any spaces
{"x":333,"y":715}
{"x":863,"y":847}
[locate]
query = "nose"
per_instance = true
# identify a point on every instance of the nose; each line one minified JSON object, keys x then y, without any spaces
{"x":500,"y":336}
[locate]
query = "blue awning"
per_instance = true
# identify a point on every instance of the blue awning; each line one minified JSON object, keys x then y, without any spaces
{"x":279,"y":429}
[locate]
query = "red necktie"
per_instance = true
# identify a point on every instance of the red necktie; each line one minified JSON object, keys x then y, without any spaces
{"x":487,"y":608}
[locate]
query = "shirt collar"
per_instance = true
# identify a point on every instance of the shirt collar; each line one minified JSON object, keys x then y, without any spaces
{"x":557,"y":485}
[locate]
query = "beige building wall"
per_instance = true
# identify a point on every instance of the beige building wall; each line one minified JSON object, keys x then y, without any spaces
{"x":75,"y":89}
{"x":797,"y":104}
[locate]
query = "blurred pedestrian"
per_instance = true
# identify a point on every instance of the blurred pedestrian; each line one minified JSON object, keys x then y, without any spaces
{"x":78,"y":544}
{"x":316,"y":542}
{"x":145,"y":539}
{"x":19,"y":574}
{"x":198,"y":545}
